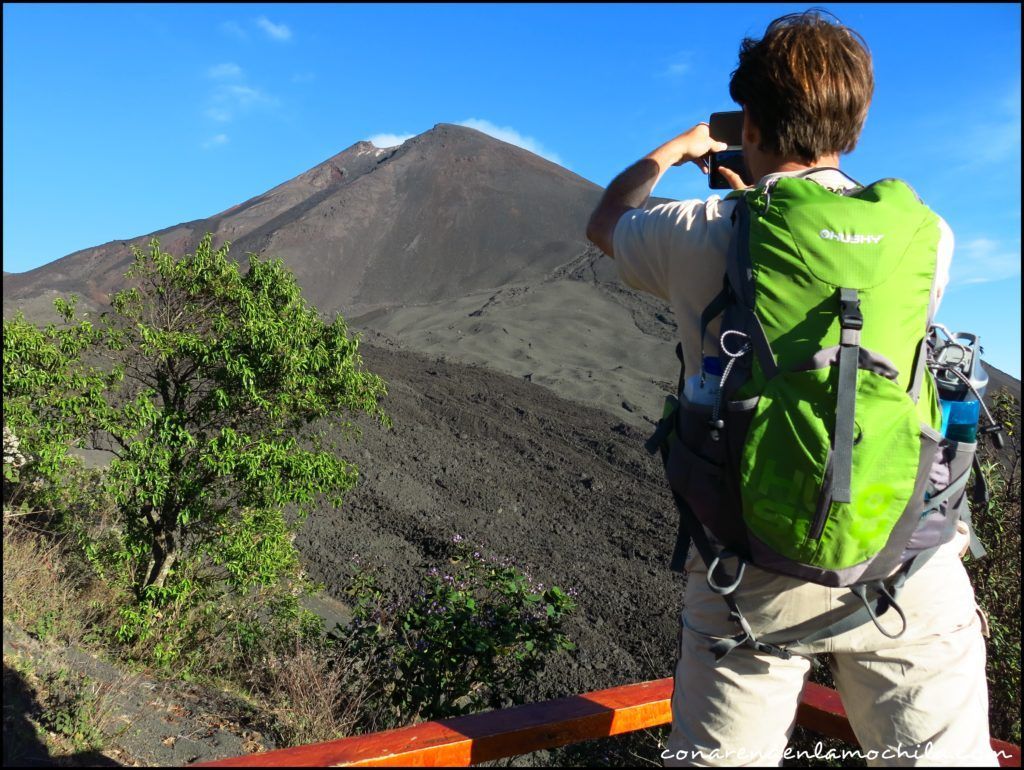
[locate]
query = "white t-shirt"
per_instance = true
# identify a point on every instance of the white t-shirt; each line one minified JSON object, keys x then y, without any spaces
{"x":677,"y":250}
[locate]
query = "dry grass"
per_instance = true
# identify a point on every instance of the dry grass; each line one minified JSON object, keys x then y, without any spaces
{"x":36,"y":594}
{"x":46,"y":593}
{"x":307,"y":694}
{"x":313,"y":697}
{"x":304,"y":695}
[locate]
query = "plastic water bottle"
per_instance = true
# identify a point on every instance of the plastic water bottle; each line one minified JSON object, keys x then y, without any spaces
{"x":704,"y":393}
{"x":960,"y":420}
{"x":961,"y":409}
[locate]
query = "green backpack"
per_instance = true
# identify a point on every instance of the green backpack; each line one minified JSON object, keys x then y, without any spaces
{"x":821,"y":458}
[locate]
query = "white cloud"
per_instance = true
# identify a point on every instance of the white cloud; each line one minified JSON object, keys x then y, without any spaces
{"x":227,"y":101}
{"x":996,"y":143}
{"x":234,"y":29}
{"x":218,"y":114}
{"x":510,"y":135}
{"x":993,"y":136}
{"x":678,"y":65}
{"x":389,"y":140}
{"x":984,"y":260}
{"x":215,"y":141}
{"x":1011,"y":102}
{"x":226,"y":70}
{"x":275,"y":31}
{"x":245,"y":96}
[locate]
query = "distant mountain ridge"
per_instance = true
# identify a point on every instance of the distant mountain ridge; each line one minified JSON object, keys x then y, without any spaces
{"x":372,"y":227}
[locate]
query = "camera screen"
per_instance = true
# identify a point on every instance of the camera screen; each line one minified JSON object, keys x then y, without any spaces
{"x":732,"y":160}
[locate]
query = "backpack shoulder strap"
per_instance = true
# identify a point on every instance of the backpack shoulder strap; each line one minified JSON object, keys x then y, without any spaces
{"x":740,"y":275}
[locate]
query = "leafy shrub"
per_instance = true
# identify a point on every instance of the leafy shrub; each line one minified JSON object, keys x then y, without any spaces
{"x":49,"y":396}
{"x":71,"y":709}
{"x":219,"y":394}
{"x":469,"y":640}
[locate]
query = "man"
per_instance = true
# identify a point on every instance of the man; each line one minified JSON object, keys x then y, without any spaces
{"x":921,"y":698}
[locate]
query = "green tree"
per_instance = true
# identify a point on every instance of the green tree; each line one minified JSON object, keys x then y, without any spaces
{"x":220,"y":394}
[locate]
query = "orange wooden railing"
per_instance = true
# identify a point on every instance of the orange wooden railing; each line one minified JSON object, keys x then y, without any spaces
{"x":468,"y":740}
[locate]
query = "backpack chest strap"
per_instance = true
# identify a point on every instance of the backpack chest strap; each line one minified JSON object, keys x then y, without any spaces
{"x":851,"y":322}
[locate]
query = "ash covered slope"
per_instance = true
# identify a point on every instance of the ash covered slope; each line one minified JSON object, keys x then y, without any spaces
{"x":449,"y":212}
{"x":999,"y":379}
{"x":564,"y":490}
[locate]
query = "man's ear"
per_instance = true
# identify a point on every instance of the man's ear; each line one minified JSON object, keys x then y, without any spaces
{"x":751,"y":133}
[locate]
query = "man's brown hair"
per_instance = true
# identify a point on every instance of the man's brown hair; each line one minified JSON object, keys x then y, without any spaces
{"x":806,"y":85}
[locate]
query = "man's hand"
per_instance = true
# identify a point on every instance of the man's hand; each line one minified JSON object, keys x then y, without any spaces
{"x":694,"y":146}
{"x":735,"y":180}
{"x":630,"y":189}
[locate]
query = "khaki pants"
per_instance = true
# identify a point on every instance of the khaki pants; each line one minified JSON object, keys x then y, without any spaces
{"x":926,"y":687}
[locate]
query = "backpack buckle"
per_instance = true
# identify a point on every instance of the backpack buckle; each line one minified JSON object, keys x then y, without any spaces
{"x":849,"y":310}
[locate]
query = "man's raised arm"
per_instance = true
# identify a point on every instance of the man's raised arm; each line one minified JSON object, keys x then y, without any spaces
{"x":631,"y":189}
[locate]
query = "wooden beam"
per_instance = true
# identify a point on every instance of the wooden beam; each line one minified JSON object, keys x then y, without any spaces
{"x":461,"y":741}
{"x":468,"y":740}
{"x":821,"y":710}
{"x":1008,"y":753}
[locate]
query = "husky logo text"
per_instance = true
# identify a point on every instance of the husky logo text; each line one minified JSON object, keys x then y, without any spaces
{"x":828,"y":235}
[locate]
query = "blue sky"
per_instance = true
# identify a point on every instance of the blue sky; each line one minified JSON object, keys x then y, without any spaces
{"x":120,"y":119}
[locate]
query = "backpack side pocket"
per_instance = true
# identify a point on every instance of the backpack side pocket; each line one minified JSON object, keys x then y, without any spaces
{"x":702,"y":469}
{"x":945,"y":499}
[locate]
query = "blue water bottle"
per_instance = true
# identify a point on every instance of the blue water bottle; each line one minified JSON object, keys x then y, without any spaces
{"x":962,"y":381}
{"x":960,"y":420}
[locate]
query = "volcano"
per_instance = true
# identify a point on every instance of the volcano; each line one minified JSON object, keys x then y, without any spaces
{"x":446,"y":213}
{"x":453,"y":243}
